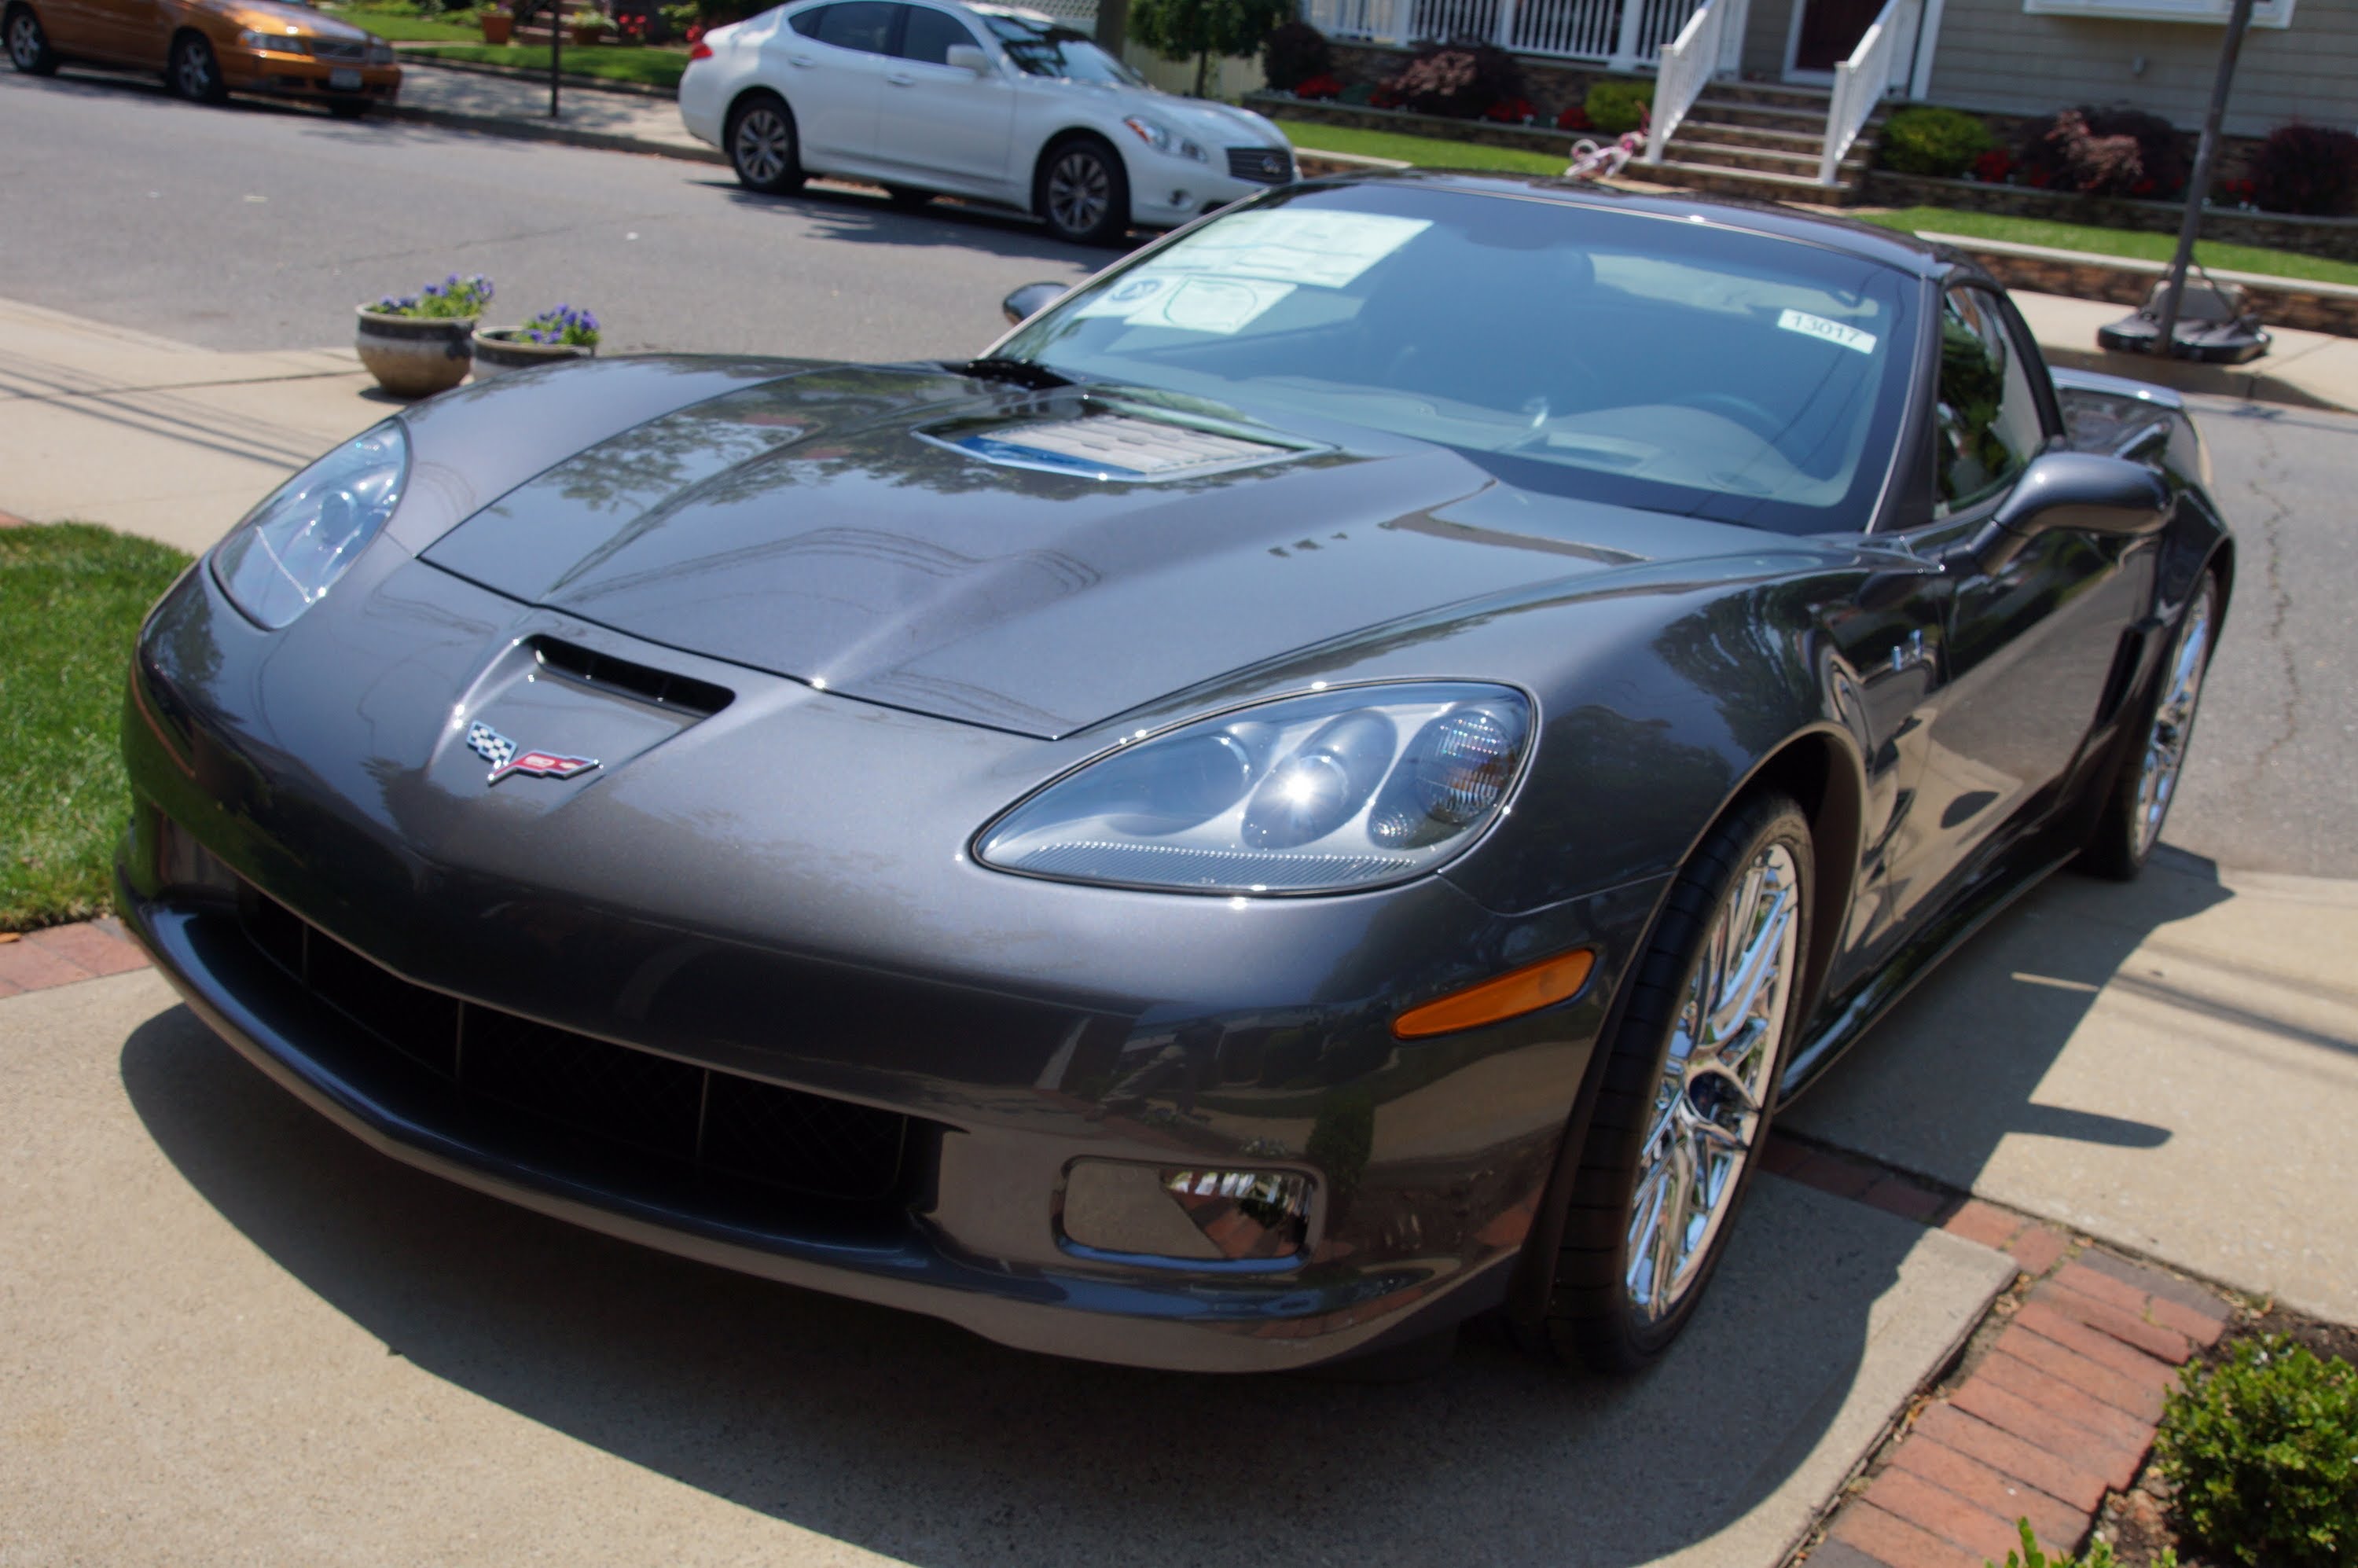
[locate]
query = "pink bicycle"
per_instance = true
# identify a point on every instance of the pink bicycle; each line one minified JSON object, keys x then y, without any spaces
{"x":1592,"y":160}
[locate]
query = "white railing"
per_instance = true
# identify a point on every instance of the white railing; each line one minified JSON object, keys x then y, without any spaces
{"x":1879,"y":65}
{"x":1625,"y":34}
{"x":1709,"y":45}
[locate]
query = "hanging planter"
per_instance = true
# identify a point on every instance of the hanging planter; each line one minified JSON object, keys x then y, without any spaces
{"x":422,"y":344}
{"x":549,"y":338}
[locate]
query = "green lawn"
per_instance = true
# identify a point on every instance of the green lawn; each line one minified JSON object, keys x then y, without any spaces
{"x":404,"y":24}
{"x":2113,"y":242}
{"x":1427,"y":152}
{"x":71,"y":597}
{"x":614,"y":62}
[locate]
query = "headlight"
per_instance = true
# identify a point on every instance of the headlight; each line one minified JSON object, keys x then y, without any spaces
{"x":291,"y":549}
{"x":279,"y":43}
{"x":1319,"y":793}
{"x":1165,"y":140}
{"x":380,"y":52}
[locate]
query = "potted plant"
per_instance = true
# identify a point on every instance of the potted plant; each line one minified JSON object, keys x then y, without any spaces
{"x":498,"y":24}
{"x":421,"y":344}
{"x":590,"y":26}
{"x":562,"y":333}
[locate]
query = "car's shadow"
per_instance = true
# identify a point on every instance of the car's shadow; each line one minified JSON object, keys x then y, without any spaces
{"x":905,"y":1436}
{"x":845,"y":209}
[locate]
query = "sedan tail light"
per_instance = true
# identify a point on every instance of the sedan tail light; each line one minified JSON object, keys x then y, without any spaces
{"x":698,"y":50}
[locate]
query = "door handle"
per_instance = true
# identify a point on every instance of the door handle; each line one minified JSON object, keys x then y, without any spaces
{"x":900,"y":79}
{"x":801,"y":59}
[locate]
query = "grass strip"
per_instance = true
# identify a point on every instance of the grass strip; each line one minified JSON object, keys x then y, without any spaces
{"x":612,"y":62}
{"x":1425,"y":152}
{"x":404,"y":26}
{"x":71,"y":598}
{"x":2131,"y":242}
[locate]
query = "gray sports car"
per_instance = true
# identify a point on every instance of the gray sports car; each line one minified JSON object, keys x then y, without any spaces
{"x":1329,"y":782}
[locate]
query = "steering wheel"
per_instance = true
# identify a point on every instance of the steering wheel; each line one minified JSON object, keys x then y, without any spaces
{"x":1742,"y":410}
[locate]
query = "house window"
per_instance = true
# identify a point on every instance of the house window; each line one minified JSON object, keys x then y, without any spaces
{"x":2264,"y":13}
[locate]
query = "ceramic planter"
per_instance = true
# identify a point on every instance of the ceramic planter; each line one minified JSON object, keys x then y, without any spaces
{"x":416,"y":356}
{"x":593,"y":34}
{"x":498,"y":25}
{"x":500,"y":350}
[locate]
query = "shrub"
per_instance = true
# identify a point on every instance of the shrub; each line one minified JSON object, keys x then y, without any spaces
{"x":2100,"y":1555}
{"x":2263,"y":1451}
{"x":1361,"y":92}
{"x":2306,"y":168}
{"x":2105,"y":152}
{"x":1457,"y":80}
{"x":1940,"y":142}
{"x":1615,"y":105}
{"x":1574,"y":118}
{"x":1509,"y":110}
{"x":1318,"y":87}
{"x":1295,"y":53}
{"x":1993,"y":165}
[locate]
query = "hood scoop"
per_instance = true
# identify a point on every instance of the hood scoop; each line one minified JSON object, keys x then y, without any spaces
{"x":1106,"y":443}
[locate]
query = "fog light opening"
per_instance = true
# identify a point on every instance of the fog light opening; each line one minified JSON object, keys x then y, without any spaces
{"x":1203,"y":1214}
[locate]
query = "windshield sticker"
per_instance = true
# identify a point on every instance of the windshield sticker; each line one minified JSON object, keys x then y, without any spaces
{"x":1326,"y":250}
{"x":1811,"y":326}
{"x":1186,"y":303}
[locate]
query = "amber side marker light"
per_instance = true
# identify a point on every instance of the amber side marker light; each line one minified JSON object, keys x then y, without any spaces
{"x":1509,"y":995}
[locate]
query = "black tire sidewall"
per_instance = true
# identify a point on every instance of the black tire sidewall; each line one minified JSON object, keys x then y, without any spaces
{"x":184,"y":46}
{"x":2112,"y":851}
{"x":1590,"y":1317}
{"x":1115,"y":225}
{"x":788,"y":180}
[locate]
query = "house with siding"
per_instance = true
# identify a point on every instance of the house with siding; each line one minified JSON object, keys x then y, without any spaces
{"x":1781,"y":97}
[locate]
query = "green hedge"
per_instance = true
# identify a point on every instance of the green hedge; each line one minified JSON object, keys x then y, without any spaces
{"x":2263,"y":1449}
{"x":1940,"y":142}
{"x":1613,"y":104}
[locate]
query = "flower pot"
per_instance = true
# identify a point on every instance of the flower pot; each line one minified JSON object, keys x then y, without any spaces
{"x":500,"y":350}
{"x":415,"y":356}
{"x":588,"y":36}
{"x":498,"y":27}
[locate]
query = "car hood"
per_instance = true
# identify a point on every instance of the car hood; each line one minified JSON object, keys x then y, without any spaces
{"x":265,"y":16}
{"x":924,"y":539}
{"x":1213,"y":125}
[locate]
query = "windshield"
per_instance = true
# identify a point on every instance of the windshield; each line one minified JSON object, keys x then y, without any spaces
{"x":1043,"y":49}
{"x":1654,"y":362}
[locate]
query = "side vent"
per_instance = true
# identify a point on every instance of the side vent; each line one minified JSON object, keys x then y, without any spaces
{"x":644,"y":683}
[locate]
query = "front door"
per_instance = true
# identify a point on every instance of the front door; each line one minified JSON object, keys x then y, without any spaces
{"x":1830,"y":29}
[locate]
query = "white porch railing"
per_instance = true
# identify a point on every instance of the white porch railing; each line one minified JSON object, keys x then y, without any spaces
{"x":1709,"y":45}
{"x":1879,"y":65}
{"x":1623,"y":35}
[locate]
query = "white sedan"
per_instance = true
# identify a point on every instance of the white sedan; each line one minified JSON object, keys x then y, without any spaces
{"x":927,"y":96}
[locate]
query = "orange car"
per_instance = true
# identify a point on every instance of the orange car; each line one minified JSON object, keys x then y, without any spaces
{"x":208,"y":50}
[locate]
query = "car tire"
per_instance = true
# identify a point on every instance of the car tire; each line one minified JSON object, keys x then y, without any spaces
{"x":1083,"y":191}
{"x":1661,"y":1133}
{"x":194,"y":73}
{"x":908,"y":198}
{"x":763,"y":147}
{"x":29,"y":42}
{"x":2137,"y":803}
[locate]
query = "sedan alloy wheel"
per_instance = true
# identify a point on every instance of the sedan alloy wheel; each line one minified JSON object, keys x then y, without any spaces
{"x":28,"y":46}
{"x":1086,"y":196}
{"x":762,"y":149}
{"x":196,"y":75}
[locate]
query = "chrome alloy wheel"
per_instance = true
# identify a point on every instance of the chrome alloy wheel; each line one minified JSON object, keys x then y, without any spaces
{"x":1079,"y":191}
{"x":2173,"y":716}
{"x":1721,"y":1069}
{"x":192,"y":69}
{"x":765,"y":144}
{"x":23,"y":40}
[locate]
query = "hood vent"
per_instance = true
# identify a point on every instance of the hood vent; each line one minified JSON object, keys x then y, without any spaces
{"x":1107,"y":446}
{"x":683,"y":694}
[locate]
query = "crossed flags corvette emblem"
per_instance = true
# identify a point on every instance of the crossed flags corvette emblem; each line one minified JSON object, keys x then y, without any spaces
{"x":501,"y":753}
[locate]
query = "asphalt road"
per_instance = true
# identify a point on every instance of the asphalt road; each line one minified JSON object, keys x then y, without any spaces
{"x":257,"y":227}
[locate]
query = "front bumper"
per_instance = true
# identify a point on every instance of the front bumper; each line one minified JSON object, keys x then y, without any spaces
{"x":303,"y":76}
{"x":1019,"y":1025}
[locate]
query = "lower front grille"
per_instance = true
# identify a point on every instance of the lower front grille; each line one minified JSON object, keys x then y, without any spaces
{"x":718,"y":1126}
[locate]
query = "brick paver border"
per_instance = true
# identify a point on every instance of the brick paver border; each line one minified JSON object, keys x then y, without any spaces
{"x":66,"y":954}
{"x":2043,"y":1420}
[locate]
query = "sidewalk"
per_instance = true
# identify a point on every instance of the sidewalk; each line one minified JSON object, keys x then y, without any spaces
{"x":513,"y":106}
{"x":2307,"y":370}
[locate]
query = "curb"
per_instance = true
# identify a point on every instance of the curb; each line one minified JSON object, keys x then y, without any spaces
{"x":523,"y":73}
{"x":563,"y":134}
{"x":2186,"y":375}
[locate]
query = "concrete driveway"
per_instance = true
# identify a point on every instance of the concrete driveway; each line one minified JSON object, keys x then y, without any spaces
{"x":235,"y":1334}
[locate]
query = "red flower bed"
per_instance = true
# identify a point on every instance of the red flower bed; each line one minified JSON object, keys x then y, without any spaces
{"x":1574,"y":118}
{"x":1320,"y":86}
{"x":1509,"y":110}
{"x":1993,"y":165}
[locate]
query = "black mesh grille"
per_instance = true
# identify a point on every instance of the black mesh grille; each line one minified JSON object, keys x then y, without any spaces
{"x":723,"y":1126}
{"x":1262,"y":166}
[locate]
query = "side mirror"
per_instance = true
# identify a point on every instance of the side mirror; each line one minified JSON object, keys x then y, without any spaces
{"x":1031,"y":299}
{"x":966,"y":56}
{"x":2078,"y":491}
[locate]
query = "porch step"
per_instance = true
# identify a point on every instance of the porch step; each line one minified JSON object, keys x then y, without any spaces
{"x":1759,"y":186}
{"x":1726,"y":134}
{"x":1763,"y":160}
{"x":1774,"y":95}
{"x":1717,"y":105}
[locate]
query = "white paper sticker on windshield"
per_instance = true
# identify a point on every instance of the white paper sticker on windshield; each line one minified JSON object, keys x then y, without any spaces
{"x":1327,"y":249}
{"x":1811,"y":326}
{"x":1187,"y":303}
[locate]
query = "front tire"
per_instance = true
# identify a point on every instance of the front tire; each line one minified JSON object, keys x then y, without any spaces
{"x":762,"y":147}
{"x":1083,"y":192}
{"x":2130,"y":827}
{"x":28,"y":44}
{"x":1688,"y":1093}
{"x":346,"y":109}
{"x":195,"y":74}
{"x":907,"y":198}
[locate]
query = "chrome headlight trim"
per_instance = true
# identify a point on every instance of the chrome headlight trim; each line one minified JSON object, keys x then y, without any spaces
{"x":286,"y":553}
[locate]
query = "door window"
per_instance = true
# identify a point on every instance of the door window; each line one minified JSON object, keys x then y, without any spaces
{"x":1986,"y":426}
{"x":862,"y":25}
{"x":930,"y":35}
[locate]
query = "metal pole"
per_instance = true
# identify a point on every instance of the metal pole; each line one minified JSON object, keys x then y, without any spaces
{"x":2198,"y":186}
{"x":557,"y":47}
